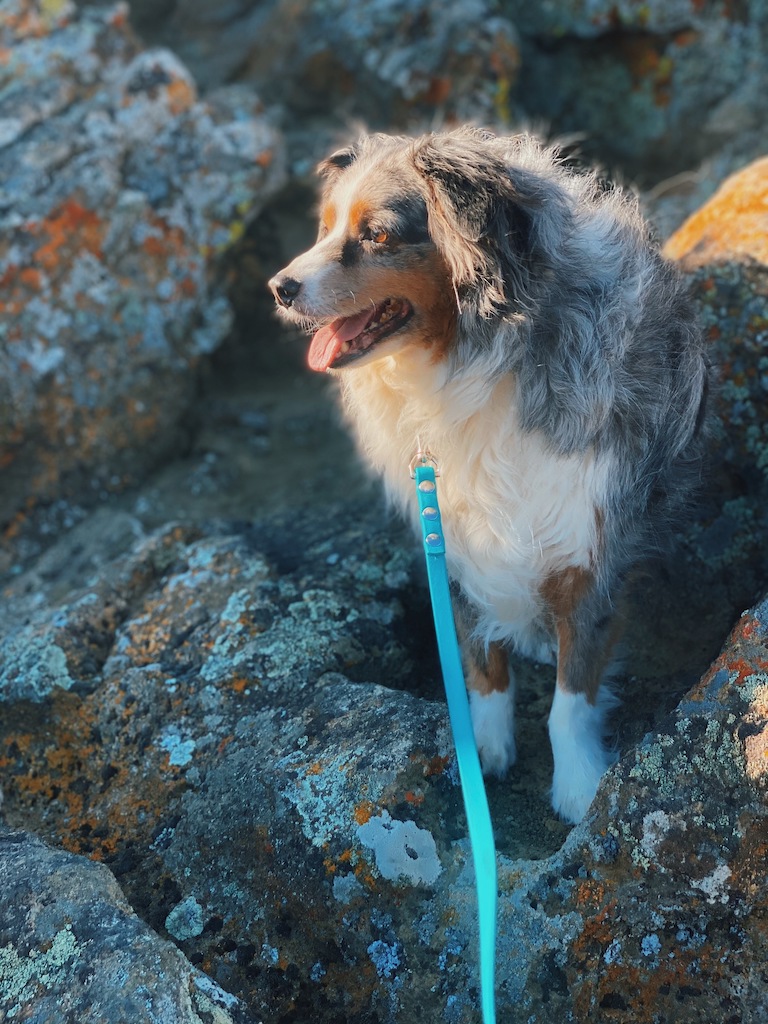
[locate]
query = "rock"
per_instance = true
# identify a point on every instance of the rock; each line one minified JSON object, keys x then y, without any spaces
{"x":297,"y":829}
{"x":653,"y":909}
{"x":120,"y":190}
{"x":275,"y":790}
{"x":634,"y":83}
{"x":723,"y":248}
{"x":72,"y":949}
{"x":378,"y":60}
{"x":638,"y":82}
{"x":732,"y":227}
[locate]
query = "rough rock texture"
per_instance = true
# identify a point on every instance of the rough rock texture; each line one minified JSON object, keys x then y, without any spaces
{"x":648,"y":85}
{"x":240,"y":717}
{"x":651,"y":87}
{"x":655,"y":908}
{"x":289,"y":823}
{"x":71,"y":949}
{"x":384,"y":60}
{"x":119,"y":189}
{"x":206,"y":727}
{"x":732,"y":227}
{"x":723,"y":248}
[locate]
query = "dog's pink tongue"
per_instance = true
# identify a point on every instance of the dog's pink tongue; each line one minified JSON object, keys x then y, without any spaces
{"x":327,"y":342}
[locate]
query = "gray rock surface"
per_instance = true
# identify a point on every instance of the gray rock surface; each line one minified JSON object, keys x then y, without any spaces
{"x":72,"y":950}
{"x":653,"y":88}
{"x":213,"y":733}
{"x":222,"y":686}
{"x":386,"y":61}
{"x":120,"y":191}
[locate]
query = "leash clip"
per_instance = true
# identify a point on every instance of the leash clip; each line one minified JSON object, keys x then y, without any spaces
{"x":422,"y":457}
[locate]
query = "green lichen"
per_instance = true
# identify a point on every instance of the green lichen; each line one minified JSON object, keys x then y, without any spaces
{"x":323,"y":793}
{"x":31,"y":666}
{"x":753,"y":685}
{"x":185,"y":921}
{"x":22,"y":976}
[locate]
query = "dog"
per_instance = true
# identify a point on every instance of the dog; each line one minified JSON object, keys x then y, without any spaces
{"x":515,"y":315}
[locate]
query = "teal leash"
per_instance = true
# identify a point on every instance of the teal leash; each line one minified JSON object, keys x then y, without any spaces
{"x":470,"y":773}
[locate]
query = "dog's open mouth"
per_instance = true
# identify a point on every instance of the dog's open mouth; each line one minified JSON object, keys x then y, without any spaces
{"x":350,"y":337}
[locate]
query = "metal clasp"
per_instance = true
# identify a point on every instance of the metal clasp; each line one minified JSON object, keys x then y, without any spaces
{"x":422,"y":457}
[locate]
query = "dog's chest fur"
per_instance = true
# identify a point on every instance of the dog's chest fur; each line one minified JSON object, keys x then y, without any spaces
{"x":513,"y":512}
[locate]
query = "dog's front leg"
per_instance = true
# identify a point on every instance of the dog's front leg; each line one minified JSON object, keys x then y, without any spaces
{"x":491,"y":697}
{"x":585,"y":627}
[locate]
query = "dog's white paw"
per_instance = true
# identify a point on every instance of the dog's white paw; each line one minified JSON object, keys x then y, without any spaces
{"x":493,"y":722}
{"x":580,"y":756}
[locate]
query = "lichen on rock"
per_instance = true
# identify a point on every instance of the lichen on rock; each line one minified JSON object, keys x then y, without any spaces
{"x":119,"y":189}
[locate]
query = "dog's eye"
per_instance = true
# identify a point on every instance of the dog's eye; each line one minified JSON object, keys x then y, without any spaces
{"x":376,"y":235}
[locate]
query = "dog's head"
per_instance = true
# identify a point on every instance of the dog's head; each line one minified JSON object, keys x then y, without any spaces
{"x":416,"y":237}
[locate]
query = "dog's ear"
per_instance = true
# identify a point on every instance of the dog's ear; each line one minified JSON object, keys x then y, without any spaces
{"x":482,"y":216}
{"x":466,"y":175}
{"x":338,"y":161}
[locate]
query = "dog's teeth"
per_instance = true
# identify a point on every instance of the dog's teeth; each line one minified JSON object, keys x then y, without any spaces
{"x":345,"y":347}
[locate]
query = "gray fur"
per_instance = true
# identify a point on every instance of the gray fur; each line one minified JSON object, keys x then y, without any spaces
{"x":559,"y":286}
{"x":560,"y":282}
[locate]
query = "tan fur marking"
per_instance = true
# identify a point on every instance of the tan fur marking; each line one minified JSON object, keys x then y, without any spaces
{"x":328,"y":216}
{"x":563,"y":590}
{"x":493,"y":677}
{"x":562,"y":593}
{"x":359,"y":212}
{"x":599,"y":547}
{"x":484,"y":674}
{"x":425,"y":282}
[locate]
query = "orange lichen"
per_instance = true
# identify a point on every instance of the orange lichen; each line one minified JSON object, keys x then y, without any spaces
{"x":414,"y":798}
{"x":651,"y":994}
{"x":596,"y":933}
{"x":436,"y":765}
{"x":70,"y":226}
{"x":181,"y":95}
{"x":363,"y":812}
{"x":224,"y":743}
{"x":30,"y":276}
{"x":591,"y":893}
{"x":742,"y":668}
{"x":733,"y":225}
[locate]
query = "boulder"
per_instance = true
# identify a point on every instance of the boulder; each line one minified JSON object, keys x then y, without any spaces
{"x":722,"y":247}
{"x":640,"y":83}
{"x":72,"y":949}
{"x":387,"y":62}
{"x":635,"y":83}
{"x":654,"y":909}
{"x":200,"y":719}
{"x":120,"y":191}
{"x":246,"y":730}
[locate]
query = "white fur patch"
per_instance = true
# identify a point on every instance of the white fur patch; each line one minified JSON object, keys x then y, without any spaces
{"x":513,"y":512}
{"x":576,"y":732}
{"x":493,"y":722}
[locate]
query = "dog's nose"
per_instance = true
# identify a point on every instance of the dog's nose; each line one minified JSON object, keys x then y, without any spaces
{"x":285,"y":289}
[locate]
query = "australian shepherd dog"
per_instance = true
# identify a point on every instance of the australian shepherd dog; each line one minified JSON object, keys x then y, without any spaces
{"x":515,"y":316}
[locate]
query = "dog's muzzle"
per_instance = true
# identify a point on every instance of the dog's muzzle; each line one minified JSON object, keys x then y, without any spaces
{"x":285,"y":289}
